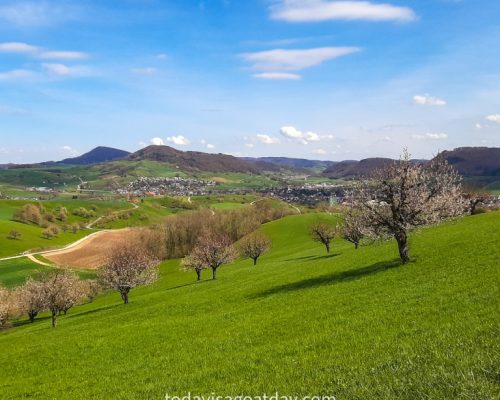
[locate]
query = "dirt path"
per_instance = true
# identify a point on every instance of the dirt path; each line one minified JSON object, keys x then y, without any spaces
{"x":42,"y":252}
{"x":36,"y":260}
{"x":134,"y":207}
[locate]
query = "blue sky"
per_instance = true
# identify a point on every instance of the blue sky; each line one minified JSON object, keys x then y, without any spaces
{"x":303,"y":78}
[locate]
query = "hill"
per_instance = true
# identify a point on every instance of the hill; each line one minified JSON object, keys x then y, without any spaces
{"x":193,"y":160}
{"x":475,"y":161}
{"x":355,"y":169}
{"x":353,"y":324}
{"x":293,"y":162}
{"x":468,"y":161}
{"x":96,"y":156}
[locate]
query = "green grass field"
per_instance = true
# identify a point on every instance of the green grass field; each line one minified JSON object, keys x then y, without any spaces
{"x":14,"y":272}
{"x":354,"y":324}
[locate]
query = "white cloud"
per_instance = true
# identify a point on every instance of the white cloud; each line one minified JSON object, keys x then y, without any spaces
{"x":431,"y":136}
{"x":207,"y":145}
{"x":493,"y":118}
{"x":64,"y":70}
{"x":280,"y":76}
{"x":179,"y":140}
{"x":478,"y":126}
{"x":63,"y":55}
{"x":324,"y":10}
{"x":279,"y":60}
{"x":162,"y":56}
{"x":35,"y":51}
{"x":17,"y":47}
{"x":57,"y":69}
{"x":249,"y":145}
{"x":320,"y":152}
{"x":157,"y":141}
{"x":145,"y":70}
{"x":291,"y":132}
{"x":427,"y":100}
{"x":266,"y":139}
{"x":70,"y":150}
{"x":16,"y":74}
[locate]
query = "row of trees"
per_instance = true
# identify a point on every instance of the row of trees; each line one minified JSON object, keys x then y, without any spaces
{"x":354,"y":229}
{"x":55,"y":292}
{"x":213,"y":250}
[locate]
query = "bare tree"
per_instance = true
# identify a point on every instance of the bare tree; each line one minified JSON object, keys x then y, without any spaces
{"x":14,"y":235}
{"x":354,"y":228}
{"x":254,"y":245}
{"x":324,"y":233}
{"x":90,"y":289}
{"x":404,"y":195}
{"x":191,"y":262}
{"x":61,"y":290}
{"x":474,"y":198}
{"x":129,"y":265}
{"x":214,"y":250}
{"x":31,"y":298}
{"x":7,"y":307}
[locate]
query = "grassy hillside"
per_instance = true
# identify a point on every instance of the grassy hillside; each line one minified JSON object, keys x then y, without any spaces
{"x":354,"y":324}
{"x":31,"y":235}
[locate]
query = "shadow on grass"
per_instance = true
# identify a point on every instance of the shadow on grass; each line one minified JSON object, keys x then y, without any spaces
{"x":188,"y":284}
{"x":330,"y":279}
{"x":313,"y":258}
{"x":95,"y":310}
{"x":26,"y":321}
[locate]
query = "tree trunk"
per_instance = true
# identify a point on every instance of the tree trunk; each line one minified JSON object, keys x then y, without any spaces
{"x":327,"y":245}
{"x":54,"y":319}
{"x":124,"y":294}
{"x":255,"y":261}
{"x":402,"y":239}
{"x":32,"y":315}
{"x":356,"y":245}
{"x":198,"y":274}
{"x":214,"y":273}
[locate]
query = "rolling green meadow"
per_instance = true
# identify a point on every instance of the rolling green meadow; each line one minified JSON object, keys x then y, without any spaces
{"x":355,"y":324}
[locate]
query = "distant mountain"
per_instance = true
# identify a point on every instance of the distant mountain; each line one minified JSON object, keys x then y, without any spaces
{"x":355,"y":169}
{"x":475,"y":161}
{"x":194,"y":160}
{"x":98,"y":155}
{"x":292,"y":162}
